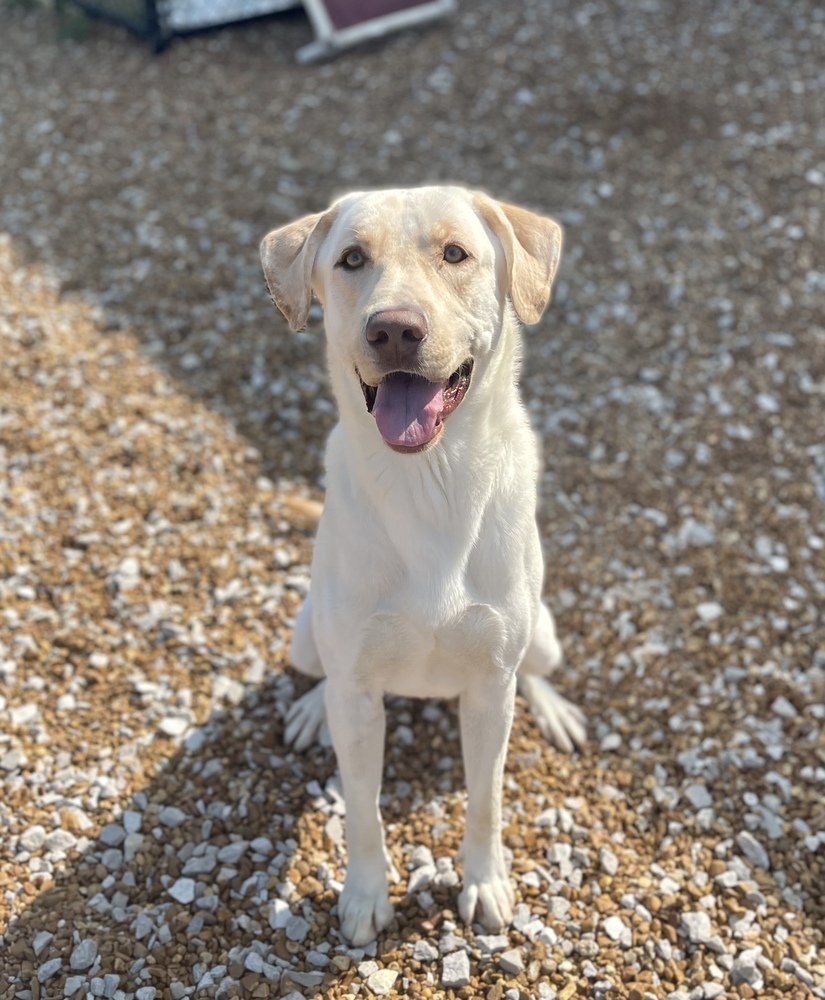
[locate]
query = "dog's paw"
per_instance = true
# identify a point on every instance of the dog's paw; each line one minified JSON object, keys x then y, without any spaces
{"x":363,"y":914}
{"x":488,"y":899}
{"x":560,"y":721}
{"x":306,"y":718}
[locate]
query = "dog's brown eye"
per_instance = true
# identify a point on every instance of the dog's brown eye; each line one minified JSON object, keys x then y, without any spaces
{"x":454,"y":254}
{"x":352,"y":260}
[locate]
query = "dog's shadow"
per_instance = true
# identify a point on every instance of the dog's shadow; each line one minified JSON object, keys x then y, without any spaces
{"x":197,"y":868}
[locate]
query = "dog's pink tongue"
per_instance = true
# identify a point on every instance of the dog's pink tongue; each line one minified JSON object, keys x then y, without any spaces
{"x":407,"y":409}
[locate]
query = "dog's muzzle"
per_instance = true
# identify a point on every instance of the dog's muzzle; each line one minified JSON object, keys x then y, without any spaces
{"x":409,"y":410}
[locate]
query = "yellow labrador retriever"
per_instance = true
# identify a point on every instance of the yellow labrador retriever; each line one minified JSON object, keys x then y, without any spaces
{"x":427,"y":573}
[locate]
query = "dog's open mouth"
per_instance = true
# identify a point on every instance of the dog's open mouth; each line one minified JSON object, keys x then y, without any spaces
{"x":409,"y":410}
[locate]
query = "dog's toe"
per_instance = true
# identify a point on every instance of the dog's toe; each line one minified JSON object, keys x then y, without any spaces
{"x":490,"y":901}
{"x":560,"y":721}
{"x":363,"y":915}
{"x":306,"y":718}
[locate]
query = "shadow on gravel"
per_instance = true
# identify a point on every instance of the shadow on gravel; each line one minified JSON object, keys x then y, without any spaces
{"x":201,"y":858}
{"x":148,"y":181}
{"x":198,"y":865}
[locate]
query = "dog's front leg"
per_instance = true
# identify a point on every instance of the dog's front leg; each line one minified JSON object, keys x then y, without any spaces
{"x":357,"y":724}
{"x":486,"y":713}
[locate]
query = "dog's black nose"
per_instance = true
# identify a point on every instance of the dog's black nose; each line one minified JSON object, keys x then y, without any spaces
{"x":396,"y":334}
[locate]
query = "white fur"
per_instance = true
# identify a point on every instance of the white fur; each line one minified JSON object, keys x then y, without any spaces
{"x":427,"y":572}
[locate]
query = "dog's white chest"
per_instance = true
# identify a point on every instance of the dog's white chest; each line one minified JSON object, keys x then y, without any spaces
{"x":414,"y":657}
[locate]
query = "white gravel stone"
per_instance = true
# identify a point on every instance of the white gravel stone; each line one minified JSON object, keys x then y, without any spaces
{"x":66,"y":703}
{"x":49,"y":969}
{"x":698,"y":796}
{"x":511,"y":961}
{"x":232,"y":853}
{"x":425,"y":951}
{"x":132,"y":821}
{"x":111,"y":981}
{"x":112,"y":835}
{"x":131,"y":845}
{"x":382,"y":981}
{"x":173,"y":725}
{"x":610,"y":742}
{"x":32,"y":839}
{"x":24,"y":715}
{"x":183,"y":890}
{"x":254,"y":962}
{"x":420,"y":878}
{"x":455,"y":970}
{"x":490,"y":943}
{"x":781,"y":706}
{"x":521,"y":917}
{"x":112,"y":859}
{"x":60,"y":840}
{"x":201,"y":865}
{"x":421,"y":855}
{"x":746,"y":969}
{"x":127,"y":574}
{"x":279,"y":914}
{"x":312,"y":980}
{"x":72,"y":985}
{"x":616,"y":929}
{"x":84,"y":955}
{"x":41,"y":940}
{"x":753,"y":850}
{"x":171,"y":816}
{"x":297,"y":928}
{"x":608,"y":861}
{"x":547,"y":936}
{"x":146,"y":993}
{"x":709,"y":611}
{"x":696,"y":926}
{"x":558,"y":854}
{"x":13,"y":760}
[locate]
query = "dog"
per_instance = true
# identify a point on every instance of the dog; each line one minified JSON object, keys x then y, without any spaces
{"x":427,"y":570}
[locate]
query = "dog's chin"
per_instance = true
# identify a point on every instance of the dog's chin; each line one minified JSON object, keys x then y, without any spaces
{"x":408,"y":407}
{"x":419,"y":449}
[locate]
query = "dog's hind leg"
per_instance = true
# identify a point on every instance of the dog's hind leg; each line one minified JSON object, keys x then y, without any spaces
{"x":303,"y":652}
{"x":306,"y":716}
{"x":561,"y":722}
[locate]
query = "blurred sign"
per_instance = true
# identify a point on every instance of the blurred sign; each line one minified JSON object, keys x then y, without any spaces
{"x":340,"y":23}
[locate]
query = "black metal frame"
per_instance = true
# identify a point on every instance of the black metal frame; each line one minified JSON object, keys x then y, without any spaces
{"x":149,"y":30}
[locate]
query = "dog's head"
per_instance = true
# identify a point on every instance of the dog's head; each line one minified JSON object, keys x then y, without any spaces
{"x":415,"y":284}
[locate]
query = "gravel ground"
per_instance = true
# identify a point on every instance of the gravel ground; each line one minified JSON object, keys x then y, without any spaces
{"x":160,"y":468}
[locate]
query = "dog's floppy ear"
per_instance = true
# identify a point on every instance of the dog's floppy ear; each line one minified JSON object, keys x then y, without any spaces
{"x":532,"y":247}
{"x":287,"y":256}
